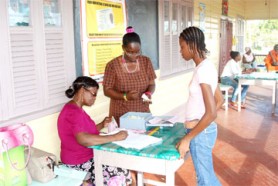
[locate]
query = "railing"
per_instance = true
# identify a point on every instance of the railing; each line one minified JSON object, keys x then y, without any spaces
{"x":260,"y":58}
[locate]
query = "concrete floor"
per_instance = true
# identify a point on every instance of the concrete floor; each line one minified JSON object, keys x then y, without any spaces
{"x":246,"y":151}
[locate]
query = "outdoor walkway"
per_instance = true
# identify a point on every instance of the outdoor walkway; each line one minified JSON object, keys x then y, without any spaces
{"x":246,"y":151}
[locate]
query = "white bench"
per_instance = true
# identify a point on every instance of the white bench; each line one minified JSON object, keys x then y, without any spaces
{"x":225,"y":88}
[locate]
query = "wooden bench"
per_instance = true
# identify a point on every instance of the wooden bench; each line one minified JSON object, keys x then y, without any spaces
{"x":225,"y":88}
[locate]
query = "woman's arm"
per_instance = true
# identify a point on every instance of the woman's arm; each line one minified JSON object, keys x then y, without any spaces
{"x":110,"y":92}
{"x":104,"y":123}
{"x":244,"y":59}
{"x":131,"y":95}
{"x":209,"y":116}
{"x":218,"y":97}
{"x":151,"y":87}
{"x":87,"y":139}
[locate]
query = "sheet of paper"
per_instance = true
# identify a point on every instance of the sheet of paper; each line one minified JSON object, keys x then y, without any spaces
{"x":138,"y":141}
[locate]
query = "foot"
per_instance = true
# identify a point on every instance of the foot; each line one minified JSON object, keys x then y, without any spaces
{"x":243,"y":106}
{"x":234,"y":104}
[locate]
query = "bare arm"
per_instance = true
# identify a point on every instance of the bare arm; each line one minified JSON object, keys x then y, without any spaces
{"x":110,"y":92}
{"x":209,"y":116}
{"x":244,"y":59}
{"x":104,"y":123}
{"x":218,"y":97}
{"x":87,"y":139}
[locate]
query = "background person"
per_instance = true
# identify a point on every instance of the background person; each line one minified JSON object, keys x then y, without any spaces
{"x":271,"y":60}
{"x":77,"y":131}
{"x":204,"y":99}
{"x":128,"y":77}
{"x":232,"y":69}
{"x":249,"y":59}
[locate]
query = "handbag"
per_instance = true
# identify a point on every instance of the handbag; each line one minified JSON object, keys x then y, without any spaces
{"x":41,"y":165}
{"x":13,"y":140}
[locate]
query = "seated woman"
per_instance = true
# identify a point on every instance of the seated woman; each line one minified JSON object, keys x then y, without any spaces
{"x":77,"y":131}
{"x":248,"y":59}
{"x":271,"y":60}
{"x":232,"y":69}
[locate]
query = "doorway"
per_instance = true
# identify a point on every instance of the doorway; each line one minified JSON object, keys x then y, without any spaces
{"x":226,"y":38}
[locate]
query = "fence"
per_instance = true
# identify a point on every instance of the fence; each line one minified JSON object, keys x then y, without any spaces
{"x":260,"y":58}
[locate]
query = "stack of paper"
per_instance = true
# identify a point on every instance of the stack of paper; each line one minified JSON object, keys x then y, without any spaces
{"x":138,"y":141}
{"x":162,"y":121}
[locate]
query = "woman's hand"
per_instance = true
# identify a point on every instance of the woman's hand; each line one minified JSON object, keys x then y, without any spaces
{"x":133,"y":95}
{"x":106,"y":121}
{"x":120,"y":135}
{"x":183,"y":146}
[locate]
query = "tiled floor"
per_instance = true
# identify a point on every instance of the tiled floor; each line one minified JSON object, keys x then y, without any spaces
{"x":246,"y":151}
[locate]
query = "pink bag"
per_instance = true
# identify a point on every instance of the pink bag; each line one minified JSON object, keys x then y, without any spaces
{"x":16,"y":135}
{"x":13,"y":140}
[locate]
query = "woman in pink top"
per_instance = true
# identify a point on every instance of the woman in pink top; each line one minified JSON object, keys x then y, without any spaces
{"x":204,"y":99}
{"x":77,"y":131}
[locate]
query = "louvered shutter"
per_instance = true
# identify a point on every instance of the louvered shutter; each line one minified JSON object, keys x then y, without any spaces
{"x":24,"y":97}
{"x":55,"y":64}
{"x":174,"y":16}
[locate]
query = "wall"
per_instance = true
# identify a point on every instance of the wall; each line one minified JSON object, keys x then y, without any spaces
{"x":213,"y":17}
{"x":257,"y":9}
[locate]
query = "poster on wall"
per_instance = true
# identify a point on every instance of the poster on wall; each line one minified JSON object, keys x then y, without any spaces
{"x":100,"y":52}
{"x":104,"y":18}
{"x":103,"y":25}
{"x":202,"y":15}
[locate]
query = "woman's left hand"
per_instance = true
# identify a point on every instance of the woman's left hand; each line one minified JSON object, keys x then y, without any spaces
{"x":183,"y":147}
{"x":106,"y":121}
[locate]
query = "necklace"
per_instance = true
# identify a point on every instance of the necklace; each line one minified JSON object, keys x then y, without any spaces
{"x":125,"y":65}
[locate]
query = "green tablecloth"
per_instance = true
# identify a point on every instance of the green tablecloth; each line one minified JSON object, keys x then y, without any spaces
{"x":166,"y":150}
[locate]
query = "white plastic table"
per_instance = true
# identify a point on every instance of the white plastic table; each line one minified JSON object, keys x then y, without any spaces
{"x":258,"y":78}
{"x":162,"y":159}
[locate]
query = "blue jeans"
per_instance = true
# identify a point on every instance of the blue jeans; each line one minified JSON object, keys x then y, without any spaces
{"x":201,"y":153}
{"x":234,"y":83}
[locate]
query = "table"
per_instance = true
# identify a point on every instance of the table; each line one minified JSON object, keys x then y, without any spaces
{"x":162,"y":159}
{"x":258,"y":78}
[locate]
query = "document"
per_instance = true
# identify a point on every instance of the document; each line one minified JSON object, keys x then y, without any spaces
{"x":138,"y":141}
{"x":162,"y":121}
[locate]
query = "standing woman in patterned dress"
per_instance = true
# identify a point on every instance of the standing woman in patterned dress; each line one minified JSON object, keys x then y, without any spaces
{"x":128,"y":77}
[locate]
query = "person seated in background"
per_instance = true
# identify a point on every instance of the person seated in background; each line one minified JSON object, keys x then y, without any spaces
{"x":232,"y":69}
{"x":77,"y":131}
{"x":271,"y":60}
{"x":249,"y":59}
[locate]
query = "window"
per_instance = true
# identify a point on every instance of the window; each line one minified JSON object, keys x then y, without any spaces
{"x":19,"y":12}
{"x":240,"y":35}
{"x":38,"y":61}
{"x":52,"y":13}
{"x":176,"y":15}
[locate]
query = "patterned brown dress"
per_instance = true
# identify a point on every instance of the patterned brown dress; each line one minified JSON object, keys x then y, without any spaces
{"x":120,"y":80}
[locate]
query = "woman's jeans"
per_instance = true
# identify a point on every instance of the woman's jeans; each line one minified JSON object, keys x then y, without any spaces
{"x":201,"y":153}
{"x":234,"y":83}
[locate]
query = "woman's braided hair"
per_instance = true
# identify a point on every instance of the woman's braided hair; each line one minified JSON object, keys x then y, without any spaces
{"x":195,"y":38}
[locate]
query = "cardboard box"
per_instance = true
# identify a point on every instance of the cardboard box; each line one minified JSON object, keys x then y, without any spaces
{"x":135,"y":120}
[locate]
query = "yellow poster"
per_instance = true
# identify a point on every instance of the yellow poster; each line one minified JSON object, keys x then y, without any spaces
{"x":104,"y":19}
{"x":100,"y":53}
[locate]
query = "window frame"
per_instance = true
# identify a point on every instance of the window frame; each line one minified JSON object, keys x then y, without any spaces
{"x":8,"y":107}
{"x":174,"y":64}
